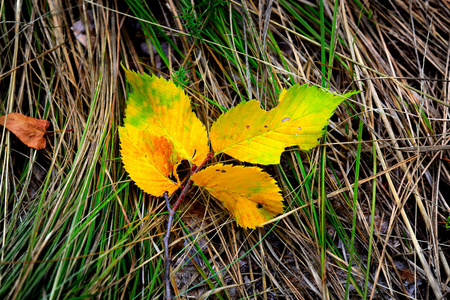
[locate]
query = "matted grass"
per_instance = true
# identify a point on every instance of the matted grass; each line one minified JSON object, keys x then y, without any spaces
{"x":366,"y":212}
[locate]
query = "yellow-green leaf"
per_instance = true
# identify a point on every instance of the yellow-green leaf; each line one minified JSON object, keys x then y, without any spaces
{"x":250,"y":194}
{"x":149,"y":159}
{"x":249,"y":133}
{"x":158,"y":106}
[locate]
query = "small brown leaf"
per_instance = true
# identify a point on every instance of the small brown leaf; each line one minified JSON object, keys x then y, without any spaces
{"x":79,"y":30}
{"x":29,"y":130}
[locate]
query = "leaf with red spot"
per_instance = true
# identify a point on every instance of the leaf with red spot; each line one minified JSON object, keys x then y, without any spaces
{"x":159,"y":106}
{"x":249,"y":133}
{"x":160,"y":131}
{"x":150,"y":159}
{"x":251,"y":195}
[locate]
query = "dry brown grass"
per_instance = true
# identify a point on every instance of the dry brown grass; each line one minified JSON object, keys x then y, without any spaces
{"x":71,"y":225}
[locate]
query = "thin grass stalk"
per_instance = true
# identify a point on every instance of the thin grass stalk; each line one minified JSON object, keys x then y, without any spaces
{"x":333,"y":41}
{"x":355,"y":208}
{"x":372,"y":223}
{"x":322,"y":43}
{"x":323,"y":226}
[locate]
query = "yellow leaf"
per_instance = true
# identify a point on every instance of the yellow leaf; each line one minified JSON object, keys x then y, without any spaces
{"x":158,"y":106}
{"x":250,"y":194}
{"x":249,"y":133}
{"x":149,"y":159}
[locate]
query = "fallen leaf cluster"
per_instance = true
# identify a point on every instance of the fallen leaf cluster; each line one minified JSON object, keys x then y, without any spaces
{"x":161,"y":130}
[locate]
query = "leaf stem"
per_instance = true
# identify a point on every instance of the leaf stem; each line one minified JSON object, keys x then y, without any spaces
{"x":167,"y":259}
{"x":54,"y":131}
{"x":172,"y":210}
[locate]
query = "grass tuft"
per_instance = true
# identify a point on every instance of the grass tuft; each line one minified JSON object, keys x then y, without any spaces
{"x":367,"y":212}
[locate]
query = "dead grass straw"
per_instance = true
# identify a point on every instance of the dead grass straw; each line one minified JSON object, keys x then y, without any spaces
{"x":72,"y":225}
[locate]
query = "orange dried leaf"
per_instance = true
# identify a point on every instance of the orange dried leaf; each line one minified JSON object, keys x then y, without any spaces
{"x":149,"y":159}
{"x":29,"y":130}
{"x":249,"y":193}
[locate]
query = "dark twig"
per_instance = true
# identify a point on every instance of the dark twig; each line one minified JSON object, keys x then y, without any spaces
{"x":166,"y":247}
{"x":172,"y":210}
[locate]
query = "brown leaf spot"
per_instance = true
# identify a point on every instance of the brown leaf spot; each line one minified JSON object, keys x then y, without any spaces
{"x":259,"y":205}
{"x":29,"y":130}
{"x":248,"y":126}
{"x":407,"y":275}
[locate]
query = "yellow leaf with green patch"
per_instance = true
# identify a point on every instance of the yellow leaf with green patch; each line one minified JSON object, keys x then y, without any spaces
{"x":149,"y":159}
{"x":249,"y":133}
{"x":251,"y":195}
{"x":158,"y":106}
